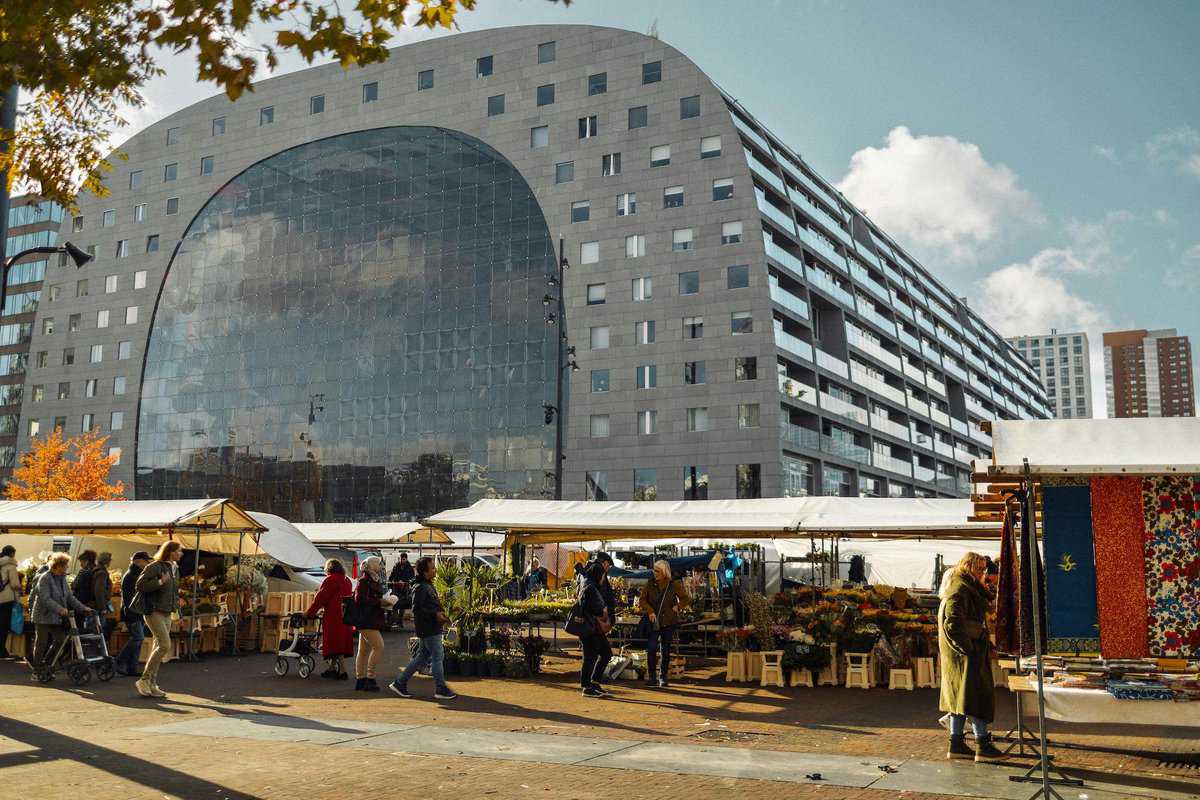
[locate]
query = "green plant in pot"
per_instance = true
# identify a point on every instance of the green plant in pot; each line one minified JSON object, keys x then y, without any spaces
{"x":450,"y":661}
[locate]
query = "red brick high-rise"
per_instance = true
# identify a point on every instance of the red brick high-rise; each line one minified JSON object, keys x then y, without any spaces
{"x":1149,"y":374}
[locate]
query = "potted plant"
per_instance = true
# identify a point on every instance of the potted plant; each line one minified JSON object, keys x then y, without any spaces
{"x":533,"y":647}
{"x":466,"y":665}
{"x":450,"y":661}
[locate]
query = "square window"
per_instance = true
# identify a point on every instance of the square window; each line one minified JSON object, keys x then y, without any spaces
{"x":170,"y":172}
{"x":483,"y":66}
{"x":35,"y":427}
{"x":588,"y":127}
{"x":76,"y":224}
{"x":651,"y":72}
{"x":48,"y":326}
{"x":596,"y":486}
{"x":316,"y":104}
{"x":73,"y":322}
{"x":152,"y":243}
{"x":647,"y":422}
{"x":370,"y":92}
{"x":689,"y":282}
{"x":139,"y":279}
{"x":172,"y":206}
{"x":172,"y":136}
{"x":564,"y":172}
{"x":42,"y":360}
{"x":722,"y":189}
{"x":673,"y":197}
{"x":39,"y":393}
{"x":122,"y":248}
{"x":598,"y":425}
{"x":741,"y":322}
{"x":218,"y":126}
{"x":102,"y":318}
{"x":597,"y":294}
{"x":539,"y":136}
{"x":647,"y":376}
{"x":108,"y":219}
{"x":710,"y":147}
{"x":689,"y":107}
{"x":610,"y":164}
{"x":697,"y":419}
{"x":55,"y":292}
{"x":581,"y":211}
{"x":424,"y":80}
{"x":114,"y":455}
{"x":598,"y":337}
{"x":266,"y":115}
{"x":635,"y":246}
{"x":87,"y":422}
{"x":495,"y":106}
{"x":545,"y":94}
{"x":626,"y":204}
{"x":206,"y":165}
{"x":119,"y":385}
{"x":81,"y":288}
{"x":745,"y":368}
{"x":68,"y":358}
{"x":748,"y":415}
{"x":131,"y":315}
{"x":598,"y":83}
{"x":139,"y":212}
{"x":110,"y":284}
{"x":749,"y":481}
{"x":645,"y":484}
{"x":89,"y":387}
{"x":660,"y":156}
{"x":731,"y":232}
{"x":135,"y":179}
{"x":693,"y":373}
{"x":96,"y":354}
{"x":545,"y":52}
{"x":737,"y":276}
{"x":60,"y":423}
{"x":693,"y":327}
{"x":643,"y":332}
{"x":643,"y":289}
{"x":639,"y":117}
{"x":117,"y":421}
{"x":123,"y":350}
{"x":589,"y":252}
{"x":681,"y":239}
{"x":695,"y":483}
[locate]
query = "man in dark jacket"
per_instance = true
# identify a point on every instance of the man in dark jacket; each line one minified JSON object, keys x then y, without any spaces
{"x":102,"y":593}
{"x":127,"y":659}
{"x":83,"y":584}
{"x":429,"y":617}
{"x":400,"y":582}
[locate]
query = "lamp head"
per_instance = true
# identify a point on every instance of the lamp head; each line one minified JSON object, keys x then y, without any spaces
{"x":78,"y":256}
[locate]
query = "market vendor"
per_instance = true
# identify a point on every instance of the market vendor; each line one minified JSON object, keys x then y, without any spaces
{"x":536,"y":579}
{"x":660,"y":603}
{"x":964,"y":650}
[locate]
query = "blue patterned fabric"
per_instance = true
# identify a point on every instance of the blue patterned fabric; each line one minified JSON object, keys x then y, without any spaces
{"x":1071,"y":618}
{"x":1138,"y":690}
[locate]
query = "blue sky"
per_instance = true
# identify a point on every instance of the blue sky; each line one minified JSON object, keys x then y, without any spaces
{"x":1043,"y":159}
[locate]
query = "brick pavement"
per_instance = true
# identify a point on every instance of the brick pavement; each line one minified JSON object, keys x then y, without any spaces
{"x":91,"y":737}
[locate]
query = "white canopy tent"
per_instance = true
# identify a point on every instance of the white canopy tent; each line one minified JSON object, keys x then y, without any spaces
{"x":284,"y":542}
{"x":392,"y":534}
{"x":1096,"y":446}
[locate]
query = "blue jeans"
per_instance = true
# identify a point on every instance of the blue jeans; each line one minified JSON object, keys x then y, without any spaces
{"x":958,"y":724}
{"x":429,"y":654}
{"x":127,"y":659}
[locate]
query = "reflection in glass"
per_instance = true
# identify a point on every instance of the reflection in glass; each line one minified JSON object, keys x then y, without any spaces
{"x":353,"y":329}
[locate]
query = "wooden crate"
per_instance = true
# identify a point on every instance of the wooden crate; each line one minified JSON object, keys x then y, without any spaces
{"x":249,"y":634}
{"x":277,"y":604}
{"x":272,"y":631}
{"x":19,"y":644}
{"x":210,"y":640}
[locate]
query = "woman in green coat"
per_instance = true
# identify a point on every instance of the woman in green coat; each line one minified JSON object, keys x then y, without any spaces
{"x":964,"y":651}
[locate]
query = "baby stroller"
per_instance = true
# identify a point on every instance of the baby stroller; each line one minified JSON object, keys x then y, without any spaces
{"x":300,"y":649}
{"x":79,"y":654}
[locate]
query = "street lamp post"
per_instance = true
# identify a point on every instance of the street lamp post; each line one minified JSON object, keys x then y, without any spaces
{"x":78,"y":256}
{"x":564,"y":360}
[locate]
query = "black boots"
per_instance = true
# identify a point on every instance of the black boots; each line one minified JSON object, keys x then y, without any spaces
{"x":986,"y":751}
{"x":958,"y":748}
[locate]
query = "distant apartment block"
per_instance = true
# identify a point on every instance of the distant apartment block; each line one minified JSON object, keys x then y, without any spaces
{"x":1149,"y":374}
{"x":1061,"y":361}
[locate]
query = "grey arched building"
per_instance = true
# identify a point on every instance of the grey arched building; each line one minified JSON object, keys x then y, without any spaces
{"x":326,"y":299}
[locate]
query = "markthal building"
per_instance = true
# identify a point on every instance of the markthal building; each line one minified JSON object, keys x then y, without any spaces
{"x":336,"y":299}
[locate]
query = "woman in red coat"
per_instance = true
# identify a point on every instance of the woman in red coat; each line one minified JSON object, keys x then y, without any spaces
{"x":337,"y":638}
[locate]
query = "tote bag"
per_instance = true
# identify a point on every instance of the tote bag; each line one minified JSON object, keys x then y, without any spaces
{"x":17,"y":621}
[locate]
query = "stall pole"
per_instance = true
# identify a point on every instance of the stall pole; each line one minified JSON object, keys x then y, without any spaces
{"x":237,"y":581}
{"x":192,"y":630}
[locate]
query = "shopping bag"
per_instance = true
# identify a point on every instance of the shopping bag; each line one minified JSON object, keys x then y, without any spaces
{"x":17,"y":623}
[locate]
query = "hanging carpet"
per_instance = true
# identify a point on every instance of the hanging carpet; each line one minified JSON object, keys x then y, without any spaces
{"x":1071,"y":616}
{"x":1171,"y":506}
{"x":1119,"y":533}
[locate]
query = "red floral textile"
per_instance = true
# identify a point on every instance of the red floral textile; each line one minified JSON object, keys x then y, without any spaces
{"x":1171,"y":505}
{"x":1120,"y":541}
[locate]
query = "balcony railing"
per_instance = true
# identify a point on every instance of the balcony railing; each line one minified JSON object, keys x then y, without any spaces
{"x":935,"y":384}
{"x":909,"y":339}
{"x":820,"y":245}
{"x":937,"y":415}
{"x":842,"y":408}
{"x":980,"y":436}
{"x":864,"y":344}
{"x":943,"y":448}
{"x":869,"y":381}
{"x":799,"y":391}
{"x":832,"y":363}
{"x":892,"y":464}
{"x":923,"y":473}
{"x":780,"y":218}
{"x":788,"y":300}
{"x":882,"y":423}
{"x":977,"y":408}
{"x":918,"y":406}
{"x":927,"y":324}
{"x":763,"y":171}
{"x":808,"y":183}
{"x":790,"y":262}
{"x":799,"y":437}
{"x":958,"y":426}
{"x":902,"y":308}
{"x":949,"y":341}
{"x":822,"y":217}
{"x":844,"y":449}
{"x":922,"y":439}
{"x":952,"y":368}
{"x":794,"y":345}
{"x":867,"y":310}
{"x":914,"y":372}
{"x":896,"y":277}
{"x":750,"y":133}
{"x":947,"y":483}
{"x":963,"y":456}
{"x":963,"y":486}
{"x":825,"y":283}
{"x":864,"y":279}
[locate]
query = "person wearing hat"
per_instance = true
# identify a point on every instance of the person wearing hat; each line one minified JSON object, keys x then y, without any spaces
{"x":130,"y":655}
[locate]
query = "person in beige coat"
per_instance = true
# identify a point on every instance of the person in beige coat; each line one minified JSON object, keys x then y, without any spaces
{"x":10,"y":593}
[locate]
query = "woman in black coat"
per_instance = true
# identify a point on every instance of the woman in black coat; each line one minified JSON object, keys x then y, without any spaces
{"x":596,"y":650}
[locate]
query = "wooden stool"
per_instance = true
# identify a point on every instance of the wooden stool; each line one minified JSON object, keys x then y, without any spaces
{"x":735,"y":666}
{"x":858,"y":670}
{"x":771,"y":671}
{"x":926,"y":674}
{"x":829,"y":674}
{"x":802,"y":677}
{"x":900,"y":679}
{"x":753,"y":666}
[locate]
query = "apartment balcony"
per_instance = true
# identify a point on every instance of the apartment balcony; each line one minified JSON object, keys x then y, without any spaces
{"x":892,"y":464}
{"x":863,"y":278}
{"x":902,"y":308}
{"x":869,"y":381}
{"x":843,"y":409}
{"x":914,"y":372}
{"x":793,"y":344}
{"x":975,"y":360}
{"x":809,"y":184}
{"x":832,"y":363}
{"x":938,"y":415}
{"x":825,"y":283}
{"x":977,"y":408}
{"x":947,"y":483}
{"x":780,"y":218}
{"x":896,"y":277}
{"x":922,"y":440}
{"x":958,"y":426}
{"x":963,"y":456}
{"x":822,"y":217}
{"x":909,"y":339}
{"x":963,"y":486}
{"x":954,"y":369}
{"x":981,"y":437}
{"x":883,"y":322}
{"x":799,"y":437}
{"x":873,"y":349}
{"x":885,"y":425}
{"x":918,"y":406}
{"x":751,"y":134}
{"x":935,"y":384}
{"x":979,"y":384}
{"x":790,"y":262}
{"x":798,"y":391}
{"x":821,"y":246}
{"x":788,"y":300}
{"x":926,"y":324}
{"x":943,"y":448}
{"x":923,"y":473}
{"x":949,"y":341}
{"x":844,"y":449}
{"x":766,"y":174}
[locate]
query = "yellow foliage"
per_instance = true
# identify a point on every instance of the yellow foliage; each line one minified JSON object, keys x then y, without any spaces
{"x":65,"y":469}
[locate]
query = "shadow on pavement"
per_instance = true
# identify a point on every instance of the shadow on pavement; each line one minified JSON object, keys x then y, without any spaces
{"x":55,"y":746}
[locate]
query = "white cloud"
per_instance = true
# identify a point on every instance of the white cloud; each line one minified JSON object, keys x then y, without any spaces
{"x":1192,"y":253}
{"x":1192,"y":165}
{"x":938,"y":192}
{"x":1177,"y":146}
{"x":1106,"y":153}
{"x":1163,"y":217}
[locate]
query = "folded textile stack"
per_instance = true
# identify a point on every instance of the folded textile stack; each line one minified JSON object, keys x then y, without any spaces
{"x":1140,"y":690}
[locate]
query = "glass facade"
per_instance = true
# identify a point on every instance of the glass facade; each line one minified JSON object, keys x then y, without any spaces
{"x":353,"y":329}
